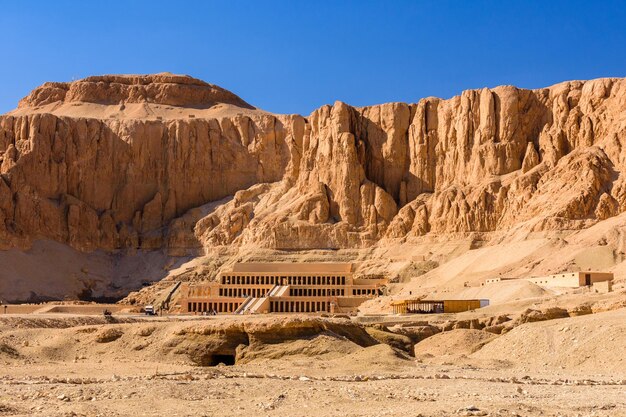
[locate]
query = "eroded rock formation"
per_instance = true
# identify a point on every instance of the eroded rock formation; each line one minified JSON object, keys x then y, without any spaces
{"x":108,"y":183}
{"x":484,"y":161}
{"x":344,"y":177}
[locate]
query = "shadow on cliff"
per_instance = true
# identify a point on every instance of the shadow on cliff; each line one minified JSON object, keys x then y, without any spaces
{"x":533,"y":114}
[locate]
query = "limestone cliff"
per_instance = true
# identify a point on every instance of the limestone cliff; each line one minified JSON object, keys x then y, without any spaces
{"x":117,"y":182}
{"x":487,"y":160}
{"x":170,"y":162}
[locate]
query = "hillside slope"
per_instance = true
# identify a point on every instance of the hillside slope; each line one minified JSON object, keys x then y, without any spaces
{"x":167,"y":163}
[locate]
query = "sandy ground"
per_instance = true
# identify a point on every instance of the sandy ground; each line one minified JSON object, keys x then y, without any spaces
{"x":96,"y":274}
{"x":155,"y":390}
{"x":146,"y":111}
{"x":564,"y":367}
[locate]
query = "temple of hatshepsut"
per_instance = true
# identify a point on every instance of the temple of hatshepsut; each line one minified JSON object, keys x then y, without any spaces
{"x":348,"y":209}
{"x":251,"y":288}
{"x":282,"y":288}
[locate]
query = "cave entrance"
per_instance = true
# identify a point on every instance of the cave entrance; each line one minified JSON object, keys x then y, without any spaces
{"x":227,"y":360}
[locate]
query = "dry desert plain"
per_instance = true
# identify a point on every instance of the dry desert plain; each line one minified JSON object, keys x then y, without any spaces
{"x":118,"y":187}
{"x":549,"y":361}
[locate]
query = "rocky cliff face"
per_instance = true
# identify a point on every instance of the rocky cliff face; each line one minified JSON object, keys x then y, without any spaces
{"x":344,"y":177}
{"x":484,"y":161}
{"x":118,"y":182}
{"x":169,"y":89}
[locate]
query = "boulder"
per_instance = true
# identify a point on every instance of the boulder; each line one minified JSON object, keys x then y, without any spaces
{"x":395,"y":340}
{"x":530,"y":315}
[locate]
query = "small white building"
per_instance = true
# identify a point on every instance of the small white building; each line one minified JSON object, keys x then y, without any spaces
{"x":572,"y":279}
{"x":603,"y":280}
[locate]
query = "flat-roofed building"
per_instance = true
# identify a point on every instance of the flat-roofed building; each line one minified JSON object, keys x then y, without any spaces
{"x":420,"y":306}
{"x":572,"y":279}
{"x":282,"y":288}
{"x":565,"y":279}
{"x":498,"y":279}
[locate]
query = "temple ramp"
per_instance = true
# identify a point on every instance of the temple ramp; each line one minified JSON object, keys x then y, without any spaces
{"x":260,"y":305}
{"x":243,"y":307}
{"x":254,"y":305}
{"x":279,"y":291}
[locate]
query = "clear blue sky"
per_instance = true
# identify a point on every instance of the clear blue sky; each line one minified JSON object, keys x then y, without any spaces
{"x":294,"y":56}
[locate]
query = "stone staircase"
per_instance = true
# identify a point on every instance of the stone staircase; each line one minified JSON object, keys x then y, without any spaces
{"x":259,"y":305}
{"x":253,"y":305}
{"x":279,"y":291}
{"x":243,"y":307}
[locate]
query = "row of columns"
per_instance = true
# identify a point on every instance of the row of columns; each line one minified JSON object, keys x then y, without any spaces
{"x":316,"y":280}
{"x":200,"y":307}
{"x":282,"y":280}
{"x":416,"y":307}
{"x":243,"y":292}
{"x":364,"y":291}
{"x":299,"y":306}
{"x":250,"y":280}
{"x":316,"y":292}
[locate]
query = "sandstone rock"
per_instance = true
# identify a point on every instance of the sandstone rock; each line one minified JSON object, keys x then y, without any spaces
{"x":496,"y":320}
{"x":117,"y":178}
{"x":552,"y":313}
{"x":580,"y":310}
{"x":495,"y":329}
{"x":531,"y":159}
{"x":108,"y":335}
{"x":134,"y":172}
{"x":395,"y":340}
{"x":244,"y":341}
{"x":361,"y":164}
{"x":146,"y":331}
{"x":468,"y":324}
{"x":419,"y":333}
{"x":164,"y":88}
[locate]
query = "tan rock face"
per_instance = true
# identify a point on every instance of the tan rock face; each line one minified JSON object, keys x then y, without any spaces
{"x":344,"y":177}
{"x":165,"y":88}
{"x":114,"y":184}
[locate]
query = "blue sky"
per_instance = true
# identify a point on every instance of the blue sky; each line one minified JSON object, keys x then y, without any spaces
{"x":294,"y":56}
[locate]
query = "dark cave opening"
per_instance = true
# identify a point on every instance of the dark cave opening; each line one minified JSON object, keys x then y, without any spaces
{"x":227,"y":360}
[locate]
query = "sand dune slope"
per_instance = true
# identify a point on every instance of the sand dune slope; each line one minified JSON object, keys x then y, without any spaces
{"x":592,"y":343}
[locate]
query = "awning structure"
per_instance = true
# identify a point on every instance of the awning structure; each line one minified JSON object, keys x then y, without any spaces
{"x":419,"y":306}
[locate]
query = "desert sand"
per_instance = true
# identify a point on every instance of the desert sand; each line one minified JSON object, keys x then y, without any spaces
{"x":57,"y":365}
{"x":115,"y":188}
